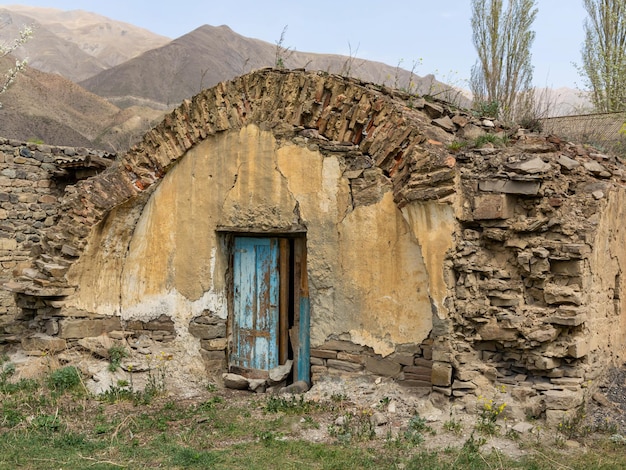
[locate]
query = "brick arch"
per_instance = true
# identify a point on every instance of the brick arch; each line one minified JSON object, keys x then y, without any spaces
{"x":396,"y":133}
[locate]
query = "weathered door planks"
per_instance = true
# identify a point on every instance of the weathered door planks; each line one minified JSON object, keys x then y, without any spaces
{"x":270,"y":306}
{"x":256,"y":304}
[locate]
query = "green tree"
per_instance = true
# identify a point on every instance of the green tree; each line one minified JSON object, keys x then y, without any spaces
{"x":501,"y":79}
{"x":8,"y":77}
{"x":604,"y":54}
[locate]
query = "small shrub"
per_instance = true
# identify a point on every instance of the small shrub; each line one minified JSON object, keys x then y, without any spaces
{"x":531,"y":123}
{"x":64,"y":379}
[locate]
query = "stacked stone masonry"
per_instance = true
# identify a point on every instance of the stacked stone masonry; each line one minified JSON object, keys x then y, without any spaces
{"x":532,"y":286}
{"x":31,"y":185}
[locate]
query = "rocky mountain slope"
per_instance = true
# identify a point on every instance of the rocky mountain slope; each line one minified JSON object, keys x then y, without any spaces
{"x":48,"y":108}
{"x":75,"y":44}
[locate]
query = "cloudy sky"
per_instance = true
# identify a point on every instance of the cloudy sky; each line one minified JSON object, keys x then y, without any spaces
{"x":435,"y":35}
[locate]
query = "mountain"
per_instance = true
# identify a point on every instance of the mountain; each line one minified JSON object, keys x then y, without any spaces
{"x":164,"y":76}
{"x":98,"y":82}
{"x":75,"y":44}
{"x":47,"y":107}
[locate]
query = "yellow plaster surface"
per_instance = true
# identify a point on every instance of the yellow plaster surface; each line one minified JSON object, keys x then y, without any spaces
{"x":607,"y":263}
{"x":367,"y":274}
{"x":433,"y":224}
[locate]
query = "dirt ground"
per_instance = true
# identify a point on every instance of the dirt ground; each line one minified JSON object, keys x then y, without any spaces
{"x":391,"y":408}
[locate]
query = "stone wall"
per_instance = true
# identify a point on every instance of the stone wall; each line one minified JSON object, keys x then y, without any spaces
{"x":537,"y":278}
{"x":477,"y":266}
{"x":29,"y":206}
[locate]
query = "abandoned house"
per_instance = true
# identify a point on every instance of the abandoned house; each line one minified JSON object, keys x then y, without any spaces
{"x":308,"y":220}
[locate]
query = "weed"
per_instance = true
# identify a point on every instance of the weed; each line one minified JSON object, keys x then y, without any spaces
{"x":457,"y":146}
{"x":116,"y":354}
{"x":47,"y":423}
{"x":209,"y":405}
{"x":185,"y":458}
{"x":292,"y":405}
{"x":157,"y":374}
{"x":415,"y":430}
{"x":11,"y":415}
{"x":492,"y":139}
{"x":120,"y":392}
{"x":608,"y":426}
{"x":70,"y":441}
{"x":472,"y":445}
{"x":7,"y":370}
{"x":310,"y":423}
{"x":489,"y":414}
{"x":353,"y":426}
{"x":453,"y":425}
{"x":338,"y":397}
{"x":487,"y":109}
{"x":64,"y":379}
{"x":512,"y":435}
{"x":266,"y":437}
{"x":282,"y":53}
{"x":383,"y":403}
{"x":573,"y":427}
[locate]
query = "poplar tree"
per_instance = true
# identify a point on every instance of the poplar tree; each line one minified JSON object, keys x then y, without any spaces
{"x":604,"y":54}
{"x":501,"y":79}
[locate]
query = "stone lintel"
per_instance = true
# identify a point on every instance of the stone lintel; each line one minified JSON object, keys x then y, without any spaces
{"x":527,"y":188}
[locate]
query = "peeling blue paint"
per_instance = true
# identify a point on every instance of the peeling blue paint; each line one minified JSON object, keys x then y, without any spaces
{"x":256,"y":296}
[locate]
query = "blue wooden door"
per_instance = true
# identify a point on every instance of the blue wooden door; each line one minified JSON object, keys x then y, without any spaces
{"x":256,"y":309}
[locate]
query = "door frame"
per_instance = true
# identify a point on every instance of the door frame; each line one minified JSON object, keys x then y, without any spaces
{"x":294,"y":304}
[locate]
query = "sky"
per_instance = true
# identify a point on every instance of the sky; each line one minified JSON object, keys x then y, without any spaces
{"x":435,"y":36}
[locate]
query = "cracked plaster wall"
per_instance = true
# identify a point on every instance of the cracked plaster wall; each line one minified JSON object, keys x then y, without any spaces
{"x":607,"y":324}
{"x":367,"y":275}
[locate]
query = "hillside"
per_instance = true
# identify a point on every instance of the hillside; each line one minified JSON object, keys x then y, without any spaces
{"x":164,"y":76}
{"x":140,"y":75}
{"x":75,"y":44}
{"x":49,"y":108}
